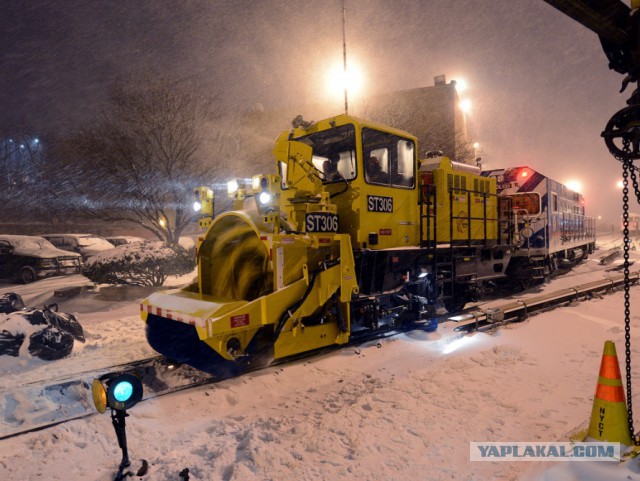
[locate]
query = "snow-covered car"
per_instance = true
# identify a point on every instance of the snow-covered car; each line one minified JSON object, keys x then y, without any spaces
{"x":86,"y":245}
{"x":28,"y":258}
{"x":124,"y":239}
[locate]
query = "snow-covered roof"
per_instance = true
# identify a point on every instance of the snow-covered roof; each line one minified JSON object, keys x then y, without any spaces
{"x":35,"y":246}
{"x":14,"y":237}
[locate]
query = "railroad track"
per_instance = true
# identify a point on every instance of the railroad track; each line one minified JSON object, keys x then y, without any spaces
{"x":71,"y":395}
{"x":69,"y":398}
{"x":478,"y":319}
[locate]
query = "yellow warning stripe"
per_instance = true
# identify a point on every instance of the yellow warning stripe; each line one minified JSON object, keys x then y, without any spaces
{"x":609,"y":382}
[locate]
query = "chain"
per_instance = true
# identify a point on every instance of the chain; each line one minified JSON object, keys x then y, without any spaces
{"x":636,"y":189}
{"x":626,"y":168}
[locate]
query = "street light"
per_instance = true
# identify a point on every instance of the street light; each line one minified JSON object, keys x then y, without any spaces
{"x":574,"y":185}
{"x":465,"y":106}
{"x":461,"y":85}
{"x":337,"y":80}
{"x":620,"y":184}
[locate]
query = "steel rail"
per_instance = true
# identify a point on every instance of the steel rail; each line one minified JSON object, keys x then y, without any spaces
{"x":520,"y":309}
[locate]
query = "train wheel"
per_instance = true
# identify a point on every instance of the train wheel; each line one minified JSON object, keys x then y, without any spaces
{"x":454,"y":304}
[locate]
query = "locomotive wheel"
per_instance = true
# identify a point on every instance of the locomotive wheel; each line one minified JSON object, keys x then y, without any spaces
{"x":454,"y":304}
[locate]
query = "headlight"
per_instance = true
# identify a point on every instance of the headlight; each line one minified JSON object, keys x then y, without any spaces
{"x":48,"y":263}
{"x":264,"y":198}
{"x":232,"y":186}
{"x":197,"y":206}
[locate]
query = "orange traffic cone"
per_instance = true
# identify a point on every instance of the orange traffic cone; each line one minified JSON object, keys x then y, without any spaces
{"x":609,"y":420}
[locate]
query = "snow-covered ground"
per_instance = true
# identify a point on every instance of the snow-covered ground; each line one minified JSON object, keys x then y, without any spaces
{"x":402,"y":411}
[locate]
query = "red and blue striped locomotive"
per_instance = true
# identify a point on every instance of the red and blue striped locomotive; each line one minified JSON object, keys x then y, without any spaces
{"x":551,"y":230}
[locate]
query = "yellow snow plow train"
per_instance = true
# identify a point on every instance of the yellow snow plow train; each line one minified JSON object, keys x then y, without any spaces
{"x":352,"y":236}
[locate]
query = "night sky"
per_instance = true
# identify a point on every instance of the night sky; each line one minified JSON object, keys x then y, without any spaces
{"x":538,"y":81}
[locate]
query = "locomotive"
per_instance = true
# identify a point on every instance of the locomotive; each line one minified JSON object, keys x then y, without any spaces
{"x":352,"y":237}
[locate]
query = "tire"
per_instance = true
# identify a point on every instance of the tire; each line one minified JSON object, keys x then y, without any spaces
{"x":27,"y":275}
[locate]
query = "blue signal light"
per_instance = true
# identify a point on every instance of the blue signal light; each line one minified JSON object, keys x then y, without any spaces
{"x":119,"y":391}
{"x":123,"y":391}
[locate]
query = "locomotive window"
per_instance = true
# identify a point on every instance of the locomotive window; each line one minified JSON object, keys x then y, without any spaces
{"x":282,"y":170}
{"x":337,"y":167}
{"x":388,"y":159}
{"x":528,"y":203}
{"x":406,"y":162}
{"x":554,"y":201}
{"x":333,"y":152}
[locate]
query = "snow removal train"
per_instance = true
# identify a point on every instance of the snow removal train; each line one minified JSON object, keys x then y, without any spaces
{"x":354,"y":236}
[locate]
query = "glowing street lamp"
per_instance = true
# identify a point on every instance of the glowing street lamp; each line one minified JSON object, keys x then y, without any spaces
{"x":574,"y":185}
{"x":465,"y":106}
{"x":620,"y":184}
{"x":461,"y":85}
{"x":337,"y":81}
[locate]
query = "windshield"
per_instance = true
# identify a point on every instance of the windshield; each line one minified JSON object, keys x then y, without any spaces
{"x":32,"y":244}
{"x":334,"y":152}
{"x":90,"y":241}
{"x":526,"y":203}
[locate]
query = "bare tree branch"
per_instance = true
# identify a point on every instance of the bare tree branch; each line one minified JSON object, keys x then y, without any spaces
{"x":140,"y":161}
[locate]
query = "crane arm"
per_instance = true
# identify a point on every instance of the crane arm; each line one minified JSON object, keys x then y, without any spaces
{"x":615,"y":24}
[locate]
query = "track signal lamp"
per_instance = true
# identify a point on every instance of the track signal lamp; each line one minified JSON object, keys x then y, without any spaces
{"x":119,"y":392}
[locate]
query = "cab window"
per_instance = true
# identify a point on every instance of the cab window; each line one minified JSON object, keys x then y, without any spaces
{"x":334,"y":153}
{"x":388,"y":159}
{"x":337,"y":166}
{"x":527,"y":203}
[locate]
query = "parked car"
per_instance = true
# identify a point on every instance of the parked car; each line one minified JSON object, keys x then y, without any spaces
{"x":84,"y":244}
{"x":124,"y":239}
{"x":28,"y":258}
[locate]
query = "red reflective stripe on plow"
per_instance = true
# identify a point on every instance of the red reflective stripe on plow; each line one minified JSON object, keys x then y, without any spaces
{"x":166,"y":313}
